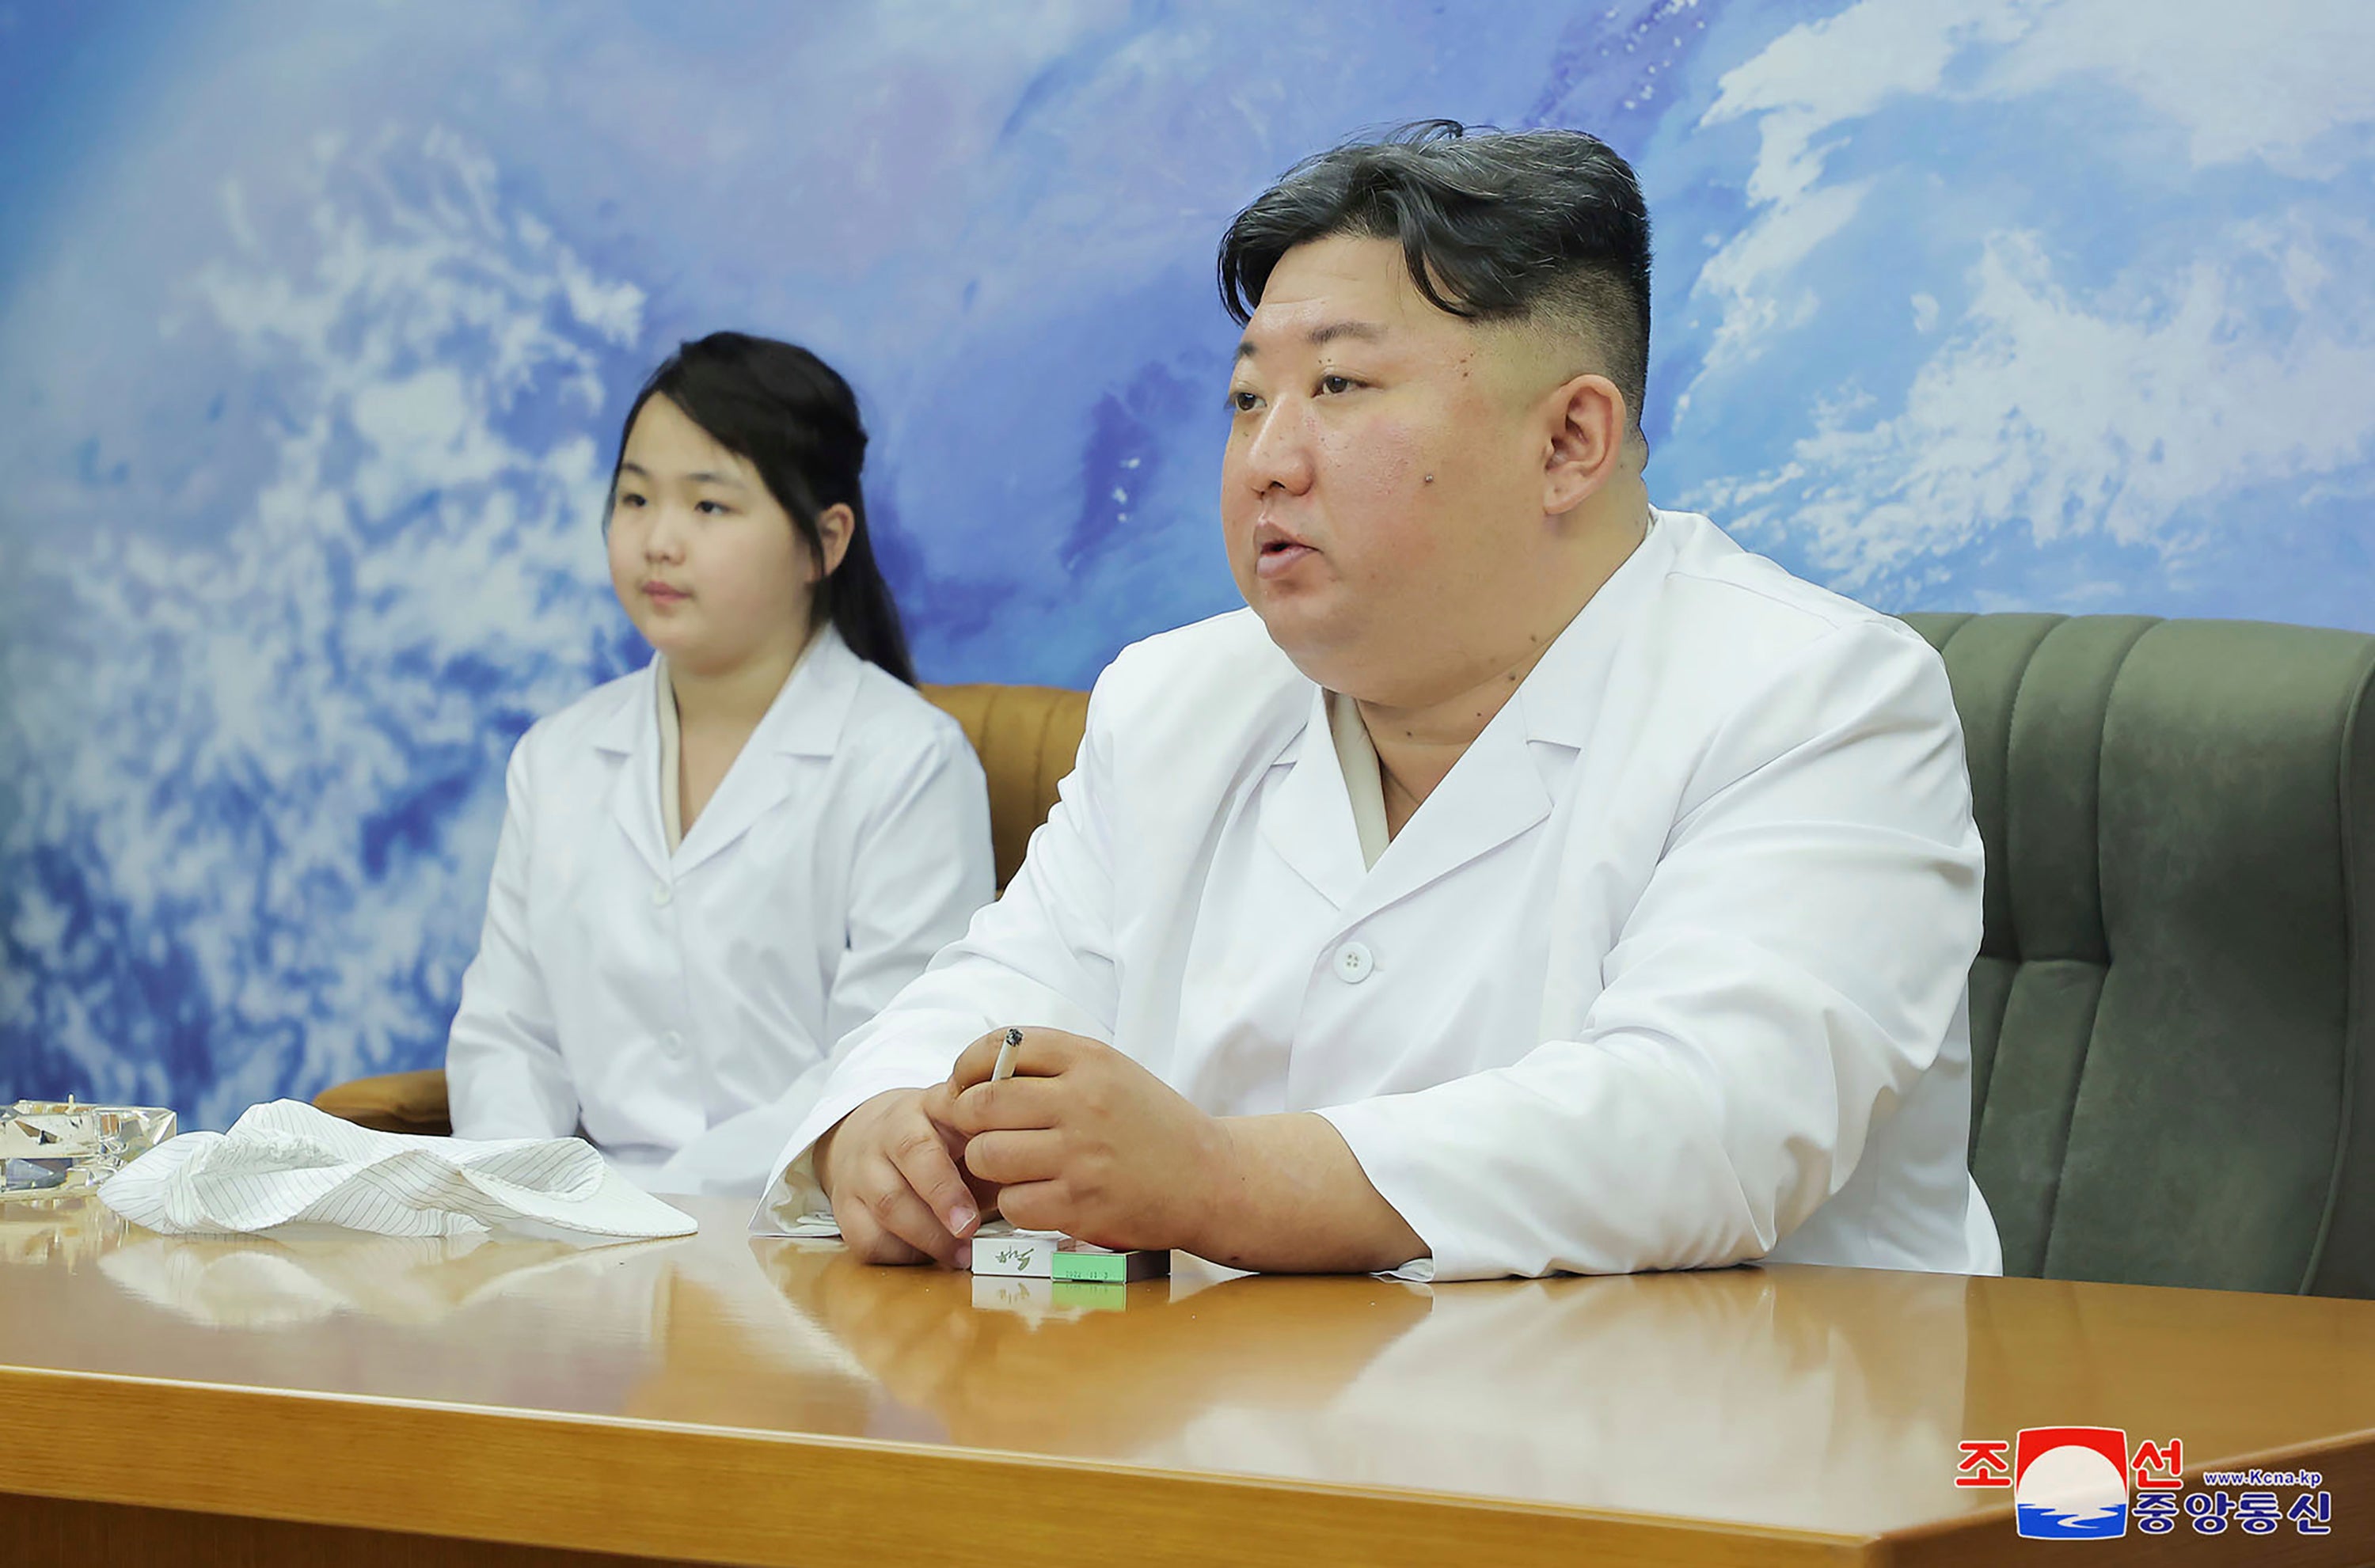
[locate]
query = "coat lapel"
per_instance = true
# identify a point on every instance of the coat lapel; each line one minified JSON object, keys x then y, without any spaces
{"x":804,"y":721}
{"x":629,"y":739}
{"x":1495,"y":791}
{"x":1308,"y":819}
{"x":1491,"y":794}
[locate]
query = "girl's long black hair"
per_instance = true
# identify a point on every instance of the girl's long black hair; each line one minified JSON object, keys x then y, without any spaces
{"x":794,"y":420}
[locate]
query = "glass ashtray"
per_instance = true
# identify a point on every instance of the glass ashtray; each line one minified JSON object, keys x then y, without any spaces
{"x":50,"y":1149}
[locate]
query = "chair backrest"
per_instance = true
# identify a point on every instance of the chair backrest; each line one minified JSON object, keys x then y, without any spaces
{"x":1026,"y":737}
{"x":2173,"y":1077}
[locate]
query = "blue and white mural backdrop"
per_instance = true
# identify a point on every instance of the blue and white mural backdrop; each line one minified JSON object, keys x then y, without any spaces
{"x":316,"y":323}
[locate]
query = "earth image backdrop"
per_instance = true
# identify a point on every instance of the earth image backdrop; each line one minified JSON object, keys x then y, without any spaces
{"x":316,"y":325}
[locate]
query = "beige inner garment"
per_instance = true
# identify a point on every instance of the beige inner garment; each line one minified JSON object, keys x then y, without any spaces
{"x":1358,"y":757}
{"x":672,"y":746}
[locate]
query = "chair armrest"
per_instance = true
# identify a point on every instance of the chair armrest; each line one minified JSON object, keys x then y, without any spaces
{"x":400,"y":1103}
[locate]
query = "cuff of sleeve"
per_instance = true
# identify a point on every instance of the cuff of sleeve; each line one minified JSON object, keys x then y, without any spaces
{"x":792,"y":1198}
{"x":795,"y":1191}
{"x":1371,"y":1137}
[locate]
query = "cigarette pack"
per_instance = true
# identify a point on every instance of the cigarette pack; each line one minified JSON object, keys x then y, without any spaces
{"x":1041,"y":1254}
{"x":1082,"y":1264}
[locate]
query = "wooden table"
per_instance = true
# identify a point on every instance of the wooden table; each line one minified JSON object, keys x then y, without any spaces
{"x":352,"y":1399}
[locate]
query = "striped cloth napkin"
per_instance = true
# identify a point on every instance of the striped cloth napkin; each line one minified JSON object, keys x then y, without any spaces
{"x":285,"y":1163}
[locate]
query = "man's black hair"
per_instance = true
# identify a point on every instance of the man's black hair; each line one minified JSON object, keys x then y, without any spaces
{"x":1541,"y":226}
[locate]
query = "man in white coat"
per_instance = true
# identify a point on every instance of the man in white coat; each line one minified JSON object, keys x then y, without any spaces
{"x":1530,"y":880}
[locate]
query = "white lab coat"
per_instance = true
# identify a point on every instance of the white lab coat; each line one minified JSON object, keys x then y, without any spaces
{"x":1669,"y":971}
{"x":678,"y":1009}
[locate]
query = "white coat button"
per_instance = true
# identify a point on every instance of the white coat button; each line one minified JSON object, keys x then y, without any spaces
{"x":672,"y":1043}
{"x":660,"y":894}
{"x":1353,"y":962}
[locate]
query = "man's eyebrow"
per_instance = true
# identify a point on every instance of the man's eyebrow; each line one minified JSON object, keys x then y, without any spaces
{"x":1326,"y":333}
{"x":1366,"y":331}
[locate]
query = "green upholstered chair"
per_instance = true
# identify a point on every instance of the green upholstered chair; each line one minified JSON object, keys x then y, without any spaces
{"x":2173,"y":1009}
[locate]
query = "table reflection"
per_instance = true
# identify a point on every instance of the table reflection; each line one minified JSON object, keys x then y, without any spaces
{"x":60,"y":1233}
{"x":1758,"y":1394}
{"x":1797,"y":1397}
{"x":1094,"y":1381}
{"x":304,"y":1274}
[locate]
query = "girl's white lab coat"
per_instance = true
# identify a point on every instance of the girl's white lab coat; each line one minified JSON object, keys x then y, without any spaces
{"x":676,"y":1007}
{"x":1669,"y":971}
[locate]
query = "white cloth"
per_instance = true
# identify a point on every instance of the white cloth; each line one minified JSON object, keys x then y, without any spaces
{"x":1668,"y":971}
{"x":677,"y":1007}
{"x":285,"y":1163}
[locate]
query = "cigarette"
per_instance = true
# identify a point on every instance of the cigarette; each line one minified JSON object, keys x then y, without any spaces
{"x":1006,"y":1050}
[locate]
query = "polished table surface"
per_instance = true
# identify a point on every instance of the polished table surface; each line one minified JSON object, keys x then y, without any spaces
{"x":738,"y":1399}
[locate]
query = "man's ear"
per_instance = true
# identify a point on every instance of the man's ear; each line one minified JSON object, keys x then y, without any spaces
{"x":1587,"y":428}
{"x":835,"y":524}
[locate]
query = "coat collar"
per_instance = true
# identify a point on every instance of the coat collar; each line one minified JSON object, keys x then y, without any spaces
{"x":632,"y":721}
{"x":1560,"y":700}
{"x":1495,"y":792}
{"x":805,"y":720}
{"x":808,"y":715}
{"x":1492,"y":793}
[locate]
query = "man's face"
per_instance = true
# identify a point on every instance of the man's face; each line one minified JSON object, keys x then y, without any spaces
{"x":1382,"y":490}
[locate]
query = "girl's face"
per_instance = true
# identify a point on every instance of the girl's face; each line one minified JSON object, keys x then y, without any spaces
{"x":712,"y":570}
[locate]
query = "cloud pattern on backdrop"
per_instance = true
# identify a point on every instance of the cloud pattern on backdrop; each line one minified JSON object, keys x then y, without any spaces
{"x":2048,"y":304}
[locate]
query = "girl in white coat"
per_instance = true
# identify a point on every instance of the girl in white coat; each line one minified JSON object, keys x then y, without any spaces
{"x":712,"y":868}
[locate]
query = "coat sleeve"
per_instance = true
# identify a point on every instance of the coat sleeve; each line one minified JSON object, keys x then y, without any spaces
{"x":1040,"y":956}
{"x":1791,"y":969}
{"x":922,"y":867}
{"x":504,"y":1073}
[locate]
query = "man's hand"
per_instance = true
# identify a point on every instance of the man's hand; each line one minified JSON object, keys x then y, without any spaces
{"x":1084,"y":1140}
{"x":891,"y":1172}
